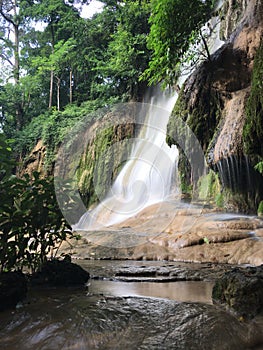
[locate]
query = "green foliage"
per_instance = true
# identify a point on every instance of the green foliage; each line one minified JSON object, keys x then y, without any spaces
{"x":253,"y":128}
{"x":259,"y":167}
{"x":128,"y":55}
{"x":175,"y":27}
{"x":31,"y":224}
{"x":206,"y":240}
{"x":260,"y":209}
{"x":219,"y":200}
{"x":6,"y":161}
{"x":52,"y":127}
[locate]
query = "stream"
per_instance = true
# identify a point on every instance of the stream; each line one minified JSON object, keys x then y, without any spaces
{"x":123,"y":308}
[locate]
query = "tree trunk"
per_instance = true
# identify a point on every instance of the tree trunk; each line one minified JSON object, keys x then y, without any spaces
{"x":206,"y":47}
{"x":52,"y":72}
{"x":51,"y":89}
{"x":19,"y":108}
{"x":58,"y":93}
{"x":16,"y":55}
{"x":70,"y":87}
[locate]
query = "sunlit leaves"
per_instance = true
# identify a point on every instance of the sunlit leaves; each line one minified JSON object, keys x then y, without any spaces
{"x":175,"y":26}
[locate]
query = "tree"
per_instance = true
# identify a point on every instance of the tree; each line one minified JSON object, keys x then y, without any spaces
{"x":53,"y":63}
{"x":10,"y":40}
{"x":127,"y":55}
{"x":175,"y":27}
{"x":61,"y":21}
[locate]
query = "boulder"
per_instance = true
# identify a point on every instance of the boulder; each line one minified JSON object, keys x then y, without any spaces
{"x":60,"y":273}
{"x":241,"y":290}
{"x":13,"y":288}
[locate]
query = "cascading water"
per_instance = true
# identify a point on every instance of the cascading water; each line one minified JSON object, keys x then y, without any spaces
{"x":147,"y":176}
{"x":149,"y":172}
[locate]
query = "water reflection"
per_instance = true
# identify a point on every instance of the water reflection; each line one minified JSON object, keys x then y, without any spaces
{"x":187,"y":291}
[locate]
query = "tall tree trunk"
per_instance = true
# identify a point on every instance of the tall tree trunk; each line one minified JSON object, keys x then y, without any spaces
{"x":16,"y":55}
{"x":206,"y":47}
{"x":52,"y":72}
{"x":70,"y":87}
{"x":51,"y":89}
{"x":58,"y":93}
{"x":19,"y":108}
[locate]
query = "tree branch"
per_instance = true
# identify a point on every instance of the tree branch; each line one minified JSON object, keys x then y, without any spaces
{"x":5,"y":58}
{"x":206,"y":46}
{"x":7,"y":18}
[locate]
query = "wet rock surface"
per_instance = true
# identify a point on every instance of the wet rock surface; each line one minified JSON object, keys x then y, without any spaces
{"x":157,"y":271}
{"x":71,"y":318}
{"x":167,"y":231}
{"x":241,"y":290}
{"x":82,"y":322}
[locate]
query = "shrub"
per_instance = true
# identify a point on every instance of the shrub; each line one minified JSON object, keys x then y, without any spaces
{"x":31,"y":224}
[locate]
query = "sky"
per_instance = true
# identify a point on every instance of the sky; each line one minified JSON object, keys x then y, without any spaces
{"x":89,"y":10}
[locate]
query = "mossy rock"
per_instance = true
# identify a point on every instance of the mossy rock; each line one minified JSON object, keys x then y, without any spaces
{"x":13,"y":289}
{"x":253,"y":128}
{"x":209,"y":186}
{"x":241,"y":290}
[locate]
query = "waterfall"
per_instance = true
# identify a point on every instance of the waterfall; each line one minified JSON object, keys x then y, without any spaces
{"x":150,"y":170}
{"x":148,"y":174}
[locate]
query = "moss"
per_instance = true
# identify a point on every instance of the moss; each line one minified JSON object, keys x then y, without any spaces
{"x":184,"y":170}
{"x":209,"y":188}
{"x":220,"y":200}
{"x":204,"y":118}
{"x":101,"y":162}
{"x":260,"y":209}
{"x":237,"y":202}
{"x":253,"y":128}
{"x":96,"y":166}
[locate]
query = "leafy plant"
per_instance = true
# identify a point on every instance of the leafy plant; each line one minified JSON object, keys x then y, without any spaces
{"x":175,"y":27}
{"x":31,"y":224}
{"x":259,"y":167}
{"x":6,"y":162}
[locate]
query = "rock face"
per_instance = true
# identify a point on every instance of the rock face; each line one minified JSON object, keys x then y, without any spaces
{"x":241,"y":290}
{"x":99,"y":152}
{"x":214,"y":100}
{"x":105,"y":152}
{"x":35,"y":161}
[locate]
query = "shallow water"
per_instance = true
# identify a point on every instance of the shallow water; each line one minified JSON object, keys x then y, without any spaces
{"x":187,"y":291}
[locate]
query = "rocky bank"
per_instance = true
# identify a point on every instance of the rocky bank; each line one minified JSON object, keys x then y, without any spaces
{"x":221,"y":103}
